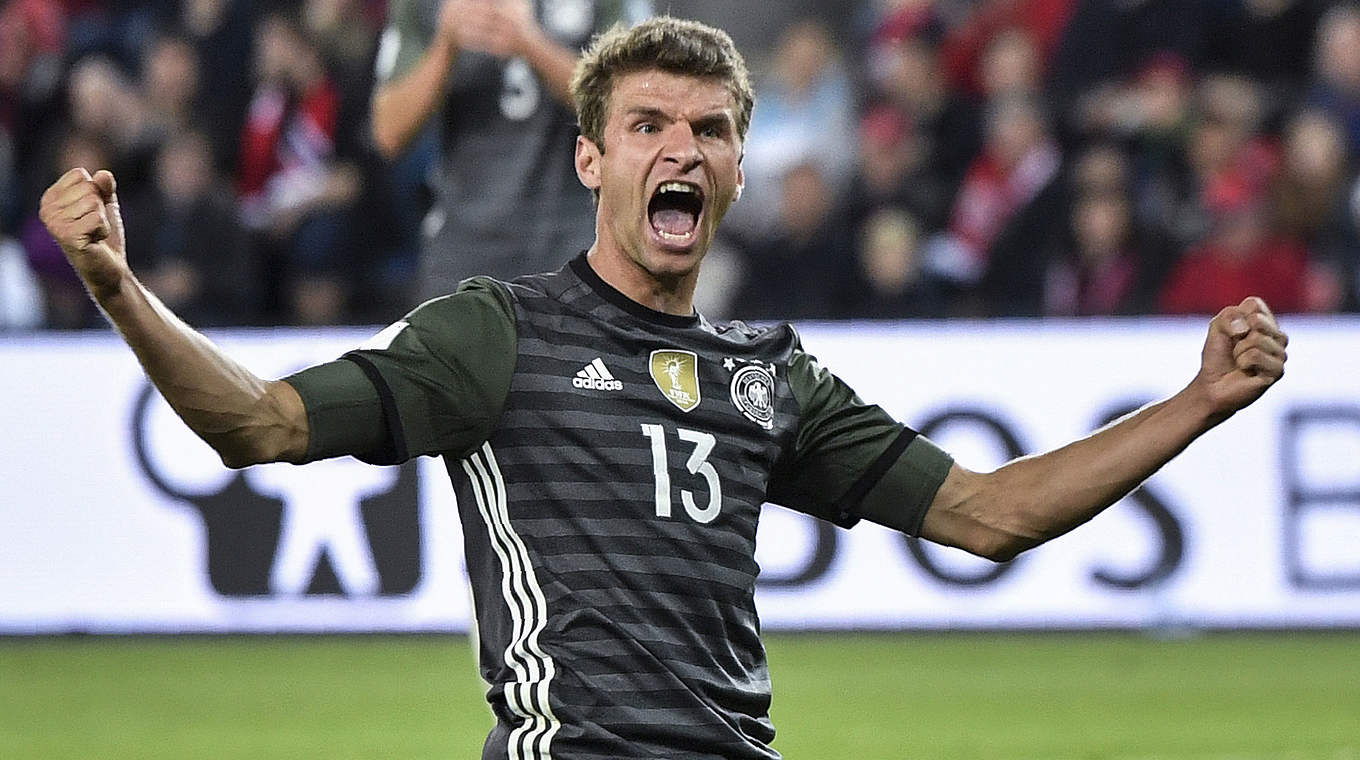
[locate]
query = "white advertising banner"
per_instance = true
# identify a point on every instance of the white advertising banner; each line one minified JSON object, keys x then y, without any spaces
{"x":114,"y":518}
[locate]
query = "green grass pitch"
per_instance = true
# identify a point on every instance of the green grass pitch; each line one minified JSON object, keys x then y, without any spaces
{"x":868,"y":697}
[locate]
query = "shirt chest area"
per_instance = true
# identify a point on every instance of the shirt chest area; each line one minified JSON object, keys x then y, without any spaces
{"x":652,"y":410}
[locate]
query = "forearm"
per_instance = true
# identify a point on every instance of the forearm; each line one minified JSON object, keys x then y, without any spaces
{"x":553,"y":63}
{"x":402,"y":106}
{"x":1033,"y":499}
{"x":246,"y":419}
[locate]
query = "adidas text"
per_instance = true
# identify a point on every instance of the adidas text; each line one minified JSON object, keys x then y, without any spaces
{"x":597,"y":383}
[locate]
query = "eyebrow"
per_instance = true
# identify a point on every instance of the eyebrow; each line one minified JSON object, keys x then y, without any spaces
{"x":648,"y":112}
{"x":720,"y":117}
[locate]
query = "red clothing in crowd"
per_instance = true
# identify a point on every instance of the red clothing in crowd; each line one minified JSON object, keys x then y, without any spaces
{"x":1209,"y":277}
{"x":279,"y":140}
{"x":1043,"y":19}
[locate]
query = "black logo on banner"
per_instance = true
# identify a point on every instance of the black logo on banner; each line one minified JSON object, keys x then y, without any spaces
{"x":356,"y":536}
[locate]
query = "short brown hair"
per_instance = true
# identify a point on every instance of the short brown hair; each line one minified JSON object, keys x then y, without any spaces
{"x":673,"y":45}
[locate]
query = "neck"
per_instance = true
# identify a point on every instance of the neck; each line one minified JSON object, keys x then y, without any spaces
{"x":669,"y":295}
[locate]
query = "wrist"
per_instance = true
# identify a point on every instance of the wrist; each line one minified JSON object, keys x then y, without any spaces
{"x":110,"y":288}
{"x":1197,"y":404}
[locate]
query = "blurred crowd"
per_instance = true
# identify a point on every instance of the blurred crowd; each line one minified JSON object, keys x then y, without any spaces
{"x":907,"y":158}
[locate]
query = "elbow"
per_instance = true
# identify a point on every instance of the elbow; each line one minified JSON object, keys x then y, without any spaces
{"x":385,"y":142}
{"x":241,"y":451}
{"x":1002,"y":550}
{"x":387,"y":139}
{"x":998,"y":544}
{"x":240,"y":455}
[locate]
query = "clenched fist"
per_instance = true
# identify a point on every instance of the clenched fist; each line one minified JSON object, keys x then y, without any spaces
{"x":1244,"y":354}
{"x":82,"y":214}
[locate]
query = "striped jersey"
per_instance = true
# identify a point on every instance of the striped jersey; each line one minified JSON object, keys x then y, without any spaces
{"x":610,"y":463}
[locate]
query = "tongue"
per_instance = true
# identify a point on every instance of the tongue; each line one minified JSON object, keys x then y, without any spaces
{"x":673,"y":221}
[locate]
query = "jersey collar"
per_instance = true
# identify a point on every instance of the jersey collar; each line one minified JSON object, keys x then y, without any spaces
{"x":608,"y":292}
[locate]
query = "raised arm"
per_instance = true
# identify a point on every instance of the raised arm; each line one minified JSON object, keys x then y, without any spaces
{"x":403,"y":103}
{"x":247,"y":420}
{"x":1031,"y":500}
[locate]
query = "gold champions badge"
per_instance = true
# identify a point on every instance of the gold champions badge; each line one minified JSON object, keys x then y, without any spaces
{"x":676,"y":374}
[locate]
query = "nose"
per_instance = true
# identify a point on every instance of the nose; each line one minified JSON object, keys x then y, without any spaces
{"x":681,"y":147}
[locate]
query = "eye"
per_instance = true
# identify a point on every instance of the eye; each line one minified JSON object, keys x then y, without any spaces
{"x":645,"y":128}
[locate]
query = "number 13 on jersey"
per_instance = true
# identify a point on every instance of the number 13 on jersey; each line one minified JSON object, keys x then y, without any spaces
{"x":697,"y":464}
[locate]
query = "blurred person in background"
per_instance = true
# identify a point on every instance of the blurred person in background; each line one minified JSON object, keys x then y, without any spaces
{"x":1098,"y":274}
{"x":296,"y":192}
{"x":193,"y":252}
{"x":1105,"y":262}
{"x":892,"y":171}
{"x":906,"y":77}
{"x":806,"y":110}
{"x":169,"y":85}
{"x":1227,"y":147}
{"x":1011,"y":66}
{"x":104,"y":100}
{"x":492,"y":76}
{"x":1106,"y":42}
{"x":1241,"y":254}
{"x":65,"y":305}
{"x":888,"y":281}
{"x":1267,"y":41}
{"x":1037,"y":25}
{"x":32,"y":33}
{"x":1336,"y":75}
{"x":991,"y":251}
{"x":797,"y":271}
{"x":1309,"y":201}
{"x":221,"y":33}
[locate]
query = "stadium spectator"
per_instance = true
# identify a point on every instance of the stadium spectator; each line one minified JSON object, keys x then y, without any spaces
{"x":807,"y":108}
{"x":1267,"y":41}
{"x":1102,"y":270}
{"x":1310,"y":202}
{"x":169,"y":85}
{"x":494,"y":77}
{"x":1106,"y":42}
{"x":222,"y":33}
{"x":1240,"y":255}
{"x":193,"y":251}
{"x":65,"y":304}
{"x":105,"y":101}
{"x":1028,"y":28}
{"x":892,"y":170}
{"x":1336,"y":84}
{"x":296,"y":192}
{"x":907,"y":77}
{"x":1002,"y":215}
{"x":797,"y":271}
{"x":888,"y":281}
{"x":31,"y":37}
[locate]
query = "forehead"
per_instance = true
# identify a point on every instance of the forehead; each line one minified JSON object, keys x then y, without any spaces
{"x":677,"y":95}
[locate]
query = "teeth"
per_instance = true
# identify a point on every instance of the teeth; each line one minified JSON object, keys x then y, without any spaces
{"x":675,"y":187}
{"x":668,"y":236}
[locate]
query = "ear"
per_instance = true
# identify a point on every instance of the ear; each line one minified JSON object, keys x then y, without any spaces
{"x":588,"y":163}
{"x":741,"y":183}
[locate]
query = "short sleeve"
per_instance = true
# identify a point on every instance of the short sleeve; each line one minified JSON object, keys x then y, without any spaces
{"x":404,"y":40}
{"x":852,"y":460}
{"x":435,"y":382}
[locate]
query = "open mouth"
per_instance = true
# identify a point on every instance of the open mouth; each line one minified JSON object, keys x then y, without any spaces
{"x":674,"y":210}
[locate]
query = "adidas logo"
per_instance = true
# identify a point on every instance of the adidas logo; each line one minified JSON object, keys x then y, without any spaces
{"x":596,"y":376}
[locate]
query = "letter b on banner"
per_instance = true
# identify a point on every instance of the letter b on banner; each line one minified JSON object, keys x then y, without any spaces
{"x":1320,"y":467}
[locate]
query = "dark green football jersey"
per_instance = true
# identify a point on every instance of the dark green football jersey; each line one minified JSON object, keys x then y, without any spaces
{"x":610,"y":464}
